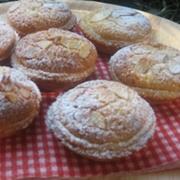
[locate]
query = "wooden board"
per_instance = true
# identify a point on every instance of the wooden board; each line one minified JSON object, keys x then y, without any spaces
{"x":164,"y":31}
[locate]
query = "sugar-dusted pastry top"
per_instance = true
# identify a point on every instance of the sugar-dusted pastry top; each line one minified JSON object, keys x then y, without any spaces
{"x":55,"y":52}
{"x":149,"y":66}
{"x":7,"y":39}
{"x":120,"y":25}
{"x":19,"y":97}
{"x":28,"y":16}
{"x":101,"y":119}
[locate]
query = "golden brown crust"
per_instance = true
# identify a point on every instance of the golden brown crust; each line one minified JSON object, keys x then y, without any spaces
{"x":152,"y":68}
{"x":55,"y":57}
{"x":29,"y":16}
{"x":7,"y":40}
{"x":111,"y":29}
{"x":158,"y":96}
{"x":101,"y":120}
{"x":19,"y":101}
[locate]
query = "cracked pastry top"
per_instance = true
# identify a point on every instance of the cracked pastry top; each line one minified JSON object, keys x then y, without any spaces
{"x":55,"y":58}
{"x":151,"y":69}
{"x":28,"y":16}
{"x":101,"y":120}
{"x":112,"y":29}
{"x":7,"y":40}
{"x":20,"y":101}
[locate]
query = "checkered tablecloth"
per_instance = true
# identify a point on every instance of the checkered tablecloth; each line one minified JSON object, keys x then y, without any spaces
{"x":35,"y":152}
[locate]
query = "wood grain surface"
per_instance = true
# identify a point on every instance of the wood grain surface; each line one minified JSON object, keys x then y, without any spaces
{"x":164,"y":31}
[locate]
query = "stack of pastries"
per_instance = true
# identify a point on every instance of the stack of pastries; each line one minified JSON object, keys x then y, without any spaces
{"x":99,"y":119}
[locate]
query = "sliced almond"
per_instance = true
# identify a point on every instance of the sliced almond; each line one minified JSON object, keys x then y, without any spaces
{"x":6,"y":79}
{"x":84,"y":51}
{"x":31,"y":52}
{"x":10,"y":96}
{"x":97,"y":120}
{"x":14,"y":7}
{"x":32,"y":12}
{"x":123,"y":12}
{"x":3,"y":70}
{"x":174,"y":68}
{"x":35,"y":5}
{"x":165,"y":59}
{"x":116,"y":14}
{"x":122,"y":93}
{"x":160,"y":57}
{"x":44,"y":44}
{"x":177,"y":59}
{"x":71,"y":43}
{"x":101,"y":15}
{"x":55,"y":4}
{"x":8,"y":87}
{"x":25,"y":93}
{"x":144,"y":65}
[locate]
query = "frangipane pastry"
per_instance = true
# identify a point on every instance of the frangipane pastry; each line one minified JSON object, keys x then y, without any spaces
{"x":55,"y":58}
{"x":113,"y":28}
{"x":29,"y":16}
{"x":7,"y":40}
{"x":20,"y":101}
{"x":101,"y":120}
{"x":153,"y":70}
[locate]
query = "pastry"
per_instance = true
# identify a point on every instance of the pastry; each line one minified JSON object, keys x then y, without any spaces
{"x":101,"y":120}
{"x":55,"y":58}
{"x":28,"y":16}
{"x":7,"y":41}
{"x":20,"y":100}
{"x":112,"y":29}
{"x":153,"y":70}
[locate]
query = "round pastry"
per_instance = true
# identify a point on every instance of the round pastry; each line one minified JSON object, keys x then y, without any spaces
{"x":101,"y":120}
{"x":7,"y":40}
{"x":112,"y":29}
{"x":20,"y":101}
{"x":28,"y":16}
{"x":55,"y":58}
{"x":151,"y":69}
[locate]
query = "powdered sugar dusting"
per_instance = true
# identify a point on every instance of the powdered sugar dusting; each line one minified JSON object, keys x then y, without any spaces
{"x":55,"y":4}
{"x":55,"y":55}
{"x":123,"y":26}
{"x":7,"y":39}
{"x":96,"y":120}
{"x":147,"y":62}
{"x":31,"y":16}
{"x":17,"y":92}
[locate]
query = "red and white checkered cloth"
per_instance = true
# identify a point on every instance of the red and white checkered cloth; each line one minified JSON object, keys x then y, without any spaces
{"x":35,"y":152}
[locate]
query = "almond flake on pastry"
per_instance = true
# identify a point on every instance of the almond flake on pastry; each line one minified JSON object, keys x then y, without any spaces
{"x":98,"y":128}
{"x":55,"y":58}
{"x":28,"y":16}
{"x":8,"y":39}
{"x":114,"y":28}
{"x":101,"y":15}
{"x":44,"y":44}
{"x":149,"y":66}
{"x":20,"y":101}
